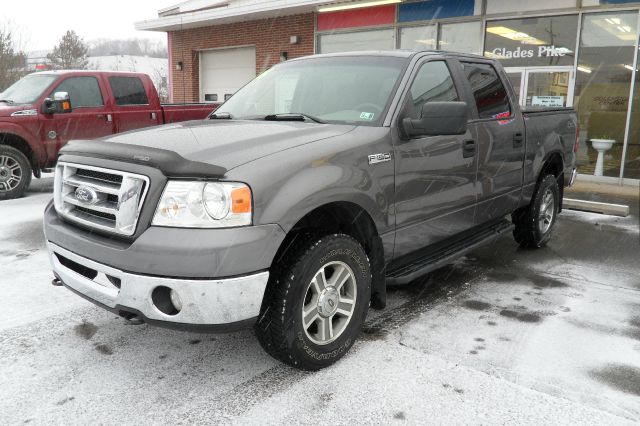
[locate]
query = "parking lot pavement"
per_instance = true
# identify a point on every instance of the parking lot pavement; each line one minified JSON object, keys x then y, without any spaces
{"x":504,"y":335}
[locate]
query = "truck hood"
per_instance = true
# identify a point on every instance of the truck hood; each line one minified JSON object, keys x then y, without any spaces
{"x":6,"y":110}
{"x":227,"y":143}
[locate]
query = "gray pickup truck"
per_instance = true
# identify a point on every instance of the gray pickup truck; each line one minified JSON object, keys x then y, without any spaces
{"x":317,"y":185}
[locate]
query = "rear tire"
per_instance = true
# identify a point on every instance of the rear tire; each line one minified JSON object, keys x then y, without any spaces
{"x":534,"y":224}
{"x":316,"y":301}
{"x":15,"y":173}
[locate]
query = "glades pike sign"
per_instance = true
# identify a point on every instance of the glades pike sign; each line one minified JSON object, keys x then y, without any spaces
{"x":539,"y":52}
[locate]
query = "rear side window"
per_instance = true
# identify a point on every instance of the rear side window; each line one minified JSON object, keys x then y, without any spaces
{"x":433,"y":83}
{"x":83,"y":91}
{"x":128,"y":91}
{"x":489,"y":92}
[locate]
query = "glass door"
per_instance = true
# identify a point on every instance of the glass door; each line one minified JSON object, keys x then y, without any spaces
{"x":549,"y":87}
{"x":543,"y":86}
{"x":516,"y":75}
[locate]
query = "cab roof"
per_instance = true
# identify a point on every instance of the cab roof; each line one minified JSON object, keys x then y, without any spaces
{"x":395,"y":53}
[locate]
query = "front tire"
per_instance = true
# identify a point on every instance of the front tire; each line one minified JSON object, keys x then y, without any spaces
{"x":534,"y":223}
{"x":316,"y":301}
{"x":15,"y":173}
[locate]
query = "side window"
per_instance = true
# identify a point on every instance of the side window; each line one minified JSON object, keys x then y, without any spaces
{"x":488,"y":90}
{"x":433,"y":83}
{"x":128,"y":91}
{"x":83,"y":91}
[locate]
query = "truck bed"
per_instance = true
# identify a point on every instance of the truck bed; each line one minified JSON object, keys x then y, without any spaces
{"x":172,"y":113}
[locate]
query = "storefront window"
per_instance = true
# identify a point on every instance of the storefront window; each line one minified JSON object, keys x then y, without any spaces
{"x":359,"y":40}
{"x":465,"y":37}
{"x":502,"y":6}
{"x":544,"y":41}
{"x":603,"y":83}
{"x":418,"y":38}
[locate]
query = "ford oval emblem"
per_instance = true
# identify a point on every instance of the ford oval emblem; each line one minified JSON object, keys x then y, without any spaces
{"x":86,"y":195}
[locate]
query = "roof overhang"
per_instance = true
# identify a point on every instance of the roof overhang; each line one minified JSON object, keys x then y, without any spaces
{"x":228,"y":12}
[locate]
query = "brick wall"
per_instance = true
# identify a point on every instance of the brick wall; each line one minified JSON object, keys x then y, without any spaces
{"x":269,"y":36}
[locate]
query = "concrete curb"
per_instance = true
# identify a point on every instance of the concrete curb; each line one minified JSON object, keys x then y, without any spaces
{"x":593,"y":206}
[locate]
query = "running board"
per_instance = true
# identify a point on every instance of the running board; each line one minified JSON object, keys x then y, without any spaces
{"x":432,"y":261}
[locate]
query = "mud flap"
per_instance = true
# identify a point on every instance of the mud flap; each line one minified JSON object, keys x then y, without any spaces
{"x":378,"y":276}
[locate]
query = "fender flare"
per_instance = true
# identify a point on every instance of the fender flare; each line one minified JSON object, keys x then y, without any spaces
{"x":315,"y":187}
{"x":38,"y":152}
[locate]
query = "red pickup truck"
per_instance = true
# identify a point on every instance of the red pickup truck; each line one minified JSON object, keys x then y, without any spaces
{"x":41,"y":112}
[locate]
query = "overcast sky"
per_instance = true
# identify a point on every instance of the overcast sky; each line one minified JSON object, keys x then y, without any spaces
{"x":41,"y":23}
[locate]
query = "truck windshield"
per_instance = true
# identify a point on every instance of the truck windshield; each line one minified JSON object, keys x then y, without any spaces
{"x":28,"y":89}
{"x":341,"y":90}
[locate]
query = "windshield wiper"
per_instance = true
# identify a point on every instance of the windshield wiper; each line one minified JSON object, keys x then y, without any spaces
{"x":9,"y":101}
{"x":220,"y":116}
{"x":293,"y":116}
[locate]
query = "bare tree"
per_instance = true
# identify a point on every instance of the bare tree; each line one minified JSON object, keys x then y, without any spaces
{"x":13,"y":61}
{"x":70,"y":53}
{"x":159,"y":78}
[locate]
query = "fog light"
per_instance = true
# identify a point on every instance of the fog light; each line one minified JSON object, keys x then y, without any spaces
{"x":175,"y":300}
{"x":166,"y":300}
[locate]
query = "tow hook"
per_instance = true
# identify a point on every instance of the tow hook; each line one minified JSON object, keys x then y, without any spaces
{"x":133,"y":319}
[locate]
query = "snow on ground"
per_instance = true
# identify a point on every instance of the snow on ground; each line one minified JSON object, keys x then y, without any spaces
{"x":503,"y":335}
{"x":628,"y":224}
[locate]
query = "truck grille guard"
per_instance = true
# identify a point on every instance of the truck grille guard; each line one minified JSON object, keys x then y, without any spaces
{"x":98,"y":198}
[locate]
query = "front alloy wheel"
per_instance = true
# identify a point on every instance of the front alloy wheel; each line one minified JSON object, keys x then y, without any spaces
{"x":316,"y":301}
{"x":15,"y":172}
{"x":10,"y":173}
{"x":329,"y":303}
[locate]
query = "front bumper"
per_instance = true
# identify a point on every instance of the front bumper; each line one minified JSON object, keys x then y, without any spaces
{"x":206,"y":303}
{"x":173,"y":252}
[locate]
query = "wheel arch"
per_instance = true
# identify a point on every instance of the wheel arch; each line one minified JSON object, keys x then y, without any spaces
{"x":346,"y":217}
{"x":21,"y":143}
{"x":553,"y":163}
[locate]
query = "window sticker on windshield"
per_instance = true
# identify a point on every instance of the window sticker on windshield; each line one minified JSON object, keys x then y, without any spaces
{"x":367,"y":116}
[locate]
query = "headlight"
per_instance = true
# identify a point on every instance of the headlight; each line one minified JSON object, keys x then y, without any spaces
{"x":188,"y":204}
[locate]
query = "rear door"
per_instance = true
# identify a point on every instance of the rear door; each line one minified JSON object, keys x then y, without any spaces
{"x":90,"y":116}
{"x":498,"y":129}
{"x":435,"y":180}
{"x":133,"y":108}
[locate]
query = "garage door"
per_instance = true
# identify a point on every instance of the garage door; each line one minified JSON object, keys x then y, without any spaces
{"x":223,"y":72}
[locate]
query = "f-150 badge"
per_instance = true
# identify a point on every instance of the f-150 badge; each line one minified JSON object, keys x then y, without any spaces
{"x":380,"y":158}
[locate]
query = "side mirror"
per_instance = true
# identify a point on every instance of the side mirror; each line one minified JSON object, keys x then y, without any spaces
{"x":60,"y":104}
{"x":438,"y":118}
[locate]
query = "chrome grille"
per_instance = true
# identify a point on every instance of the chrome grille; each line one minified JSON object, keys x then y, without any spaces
{"x":104,"y":199}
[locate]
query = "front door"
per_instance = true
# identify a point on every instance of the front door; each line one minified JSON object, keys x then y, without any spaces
{"x":435,"y":180}
{"x":543,"y":86}
{"x":90,"y":117}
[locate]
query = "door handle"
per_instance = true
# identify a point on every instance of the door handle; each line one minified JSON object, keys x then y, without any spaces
{"x":106,"y":117}
{"x":153,"y":116}
{"x":468,"y":148}
{"x":518,"y":139}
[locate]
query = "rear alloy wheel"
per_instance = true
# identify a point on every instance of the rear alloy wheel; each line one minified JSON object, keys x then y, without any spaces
{"x":15,"y":173}
{"x":534,"y":223}
{"x":547,"y":212}
{"x":316,"y":301}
